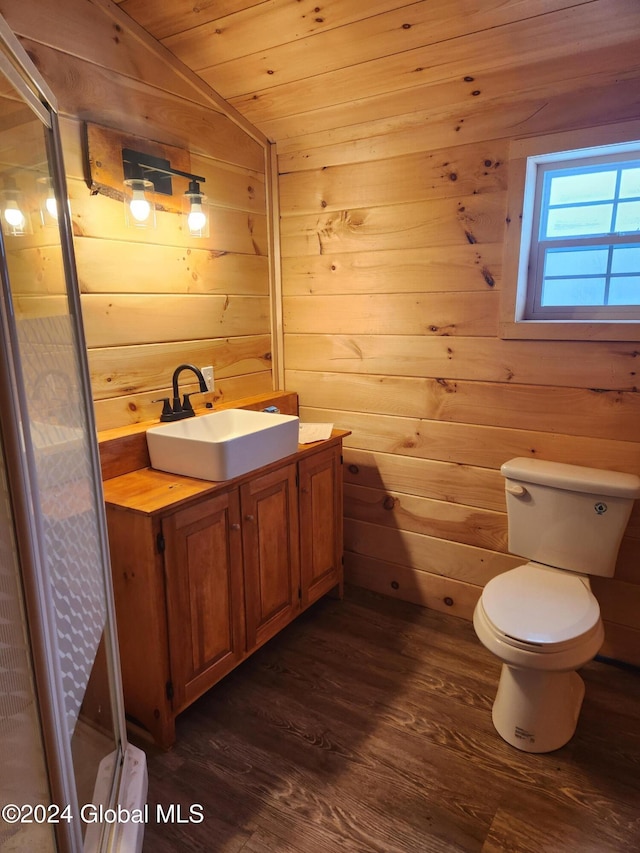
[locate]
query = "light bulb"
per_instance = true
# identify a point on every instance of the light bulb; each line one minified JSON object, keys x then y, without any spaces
{"x":52,"y":206}
{"x":47,"y":202}
{"x":139,"y":206}
{"x":196,"y":219}
{"x":14,"y":216}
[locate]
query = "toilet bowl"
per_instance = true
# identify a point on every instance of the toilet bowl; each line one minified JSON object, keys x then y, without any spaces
{"x":543,"y":624}
{"x":541,"y":619}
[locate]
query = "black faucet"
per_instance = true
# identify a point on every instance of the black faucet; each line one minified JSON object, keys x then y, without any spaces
{"x":178,"y":411}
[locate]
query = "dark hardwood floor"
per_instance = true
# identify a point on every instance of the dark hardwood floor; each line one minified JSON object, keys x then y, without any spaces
{"x":366,"y":726}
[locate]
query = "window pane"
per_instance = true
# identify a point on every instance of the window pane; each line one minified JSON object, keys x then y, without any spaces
{"x":592,"y":186}
{"x":630,"y":183}
{"x":628,"y":217}
{"x":573,"y":291}
{"x":577,"y":221}
{"x":576,"y":262}
{"x":624,"y":291}
{"x":584,"y":247}
{"x":626,"y":259}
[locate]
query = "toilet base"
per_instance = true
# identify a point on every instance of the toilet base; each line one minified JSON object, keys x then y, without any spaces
{"x":535,"y":710}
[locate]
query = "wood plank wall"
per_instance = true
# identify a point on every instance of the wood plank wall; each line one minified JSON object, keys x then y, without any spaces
{"x":394,"y":212}
{"x":394,"y":209}
{"x":152,"y":300}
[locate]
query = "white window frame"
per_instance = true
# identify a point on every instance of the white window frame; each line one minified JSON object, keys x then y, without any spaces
{"x":526,"y":156}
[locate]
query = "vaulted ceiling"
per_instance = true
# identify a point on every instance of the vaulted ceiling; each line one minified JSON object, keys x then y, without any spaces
{"x":297,"y":67}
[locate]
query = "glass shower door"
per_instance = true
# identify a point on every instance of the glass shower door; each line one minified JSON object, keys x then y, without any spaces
{"x":24,"y":772}
{"x":53,"y":508}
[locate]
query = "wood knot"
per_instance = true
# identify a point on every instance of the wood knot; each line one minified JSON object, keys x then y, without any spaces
{"x":353,"y":469}
{"x":388,"y":503}
{"x":488,"y":277}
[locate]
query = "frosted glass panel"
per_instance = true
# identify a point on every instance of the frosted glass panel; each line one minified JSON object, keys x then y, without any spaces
{"x":23,"y":779}
{"x":573,"y":221}
{"x":590,"y":186}
{"x":625,"y":291}
{"x":573,"y":291}
{"x":563,"y":262}
{"x":630,"y":183}
{"x":58,"y":460}
{"x":626,"y":259}
{"x":628,"y":217}
{"x":63,"y":471}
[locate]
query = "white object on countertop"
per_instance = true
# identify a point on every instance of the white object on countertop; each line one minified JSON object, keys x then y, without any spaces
{"x":308,"y":433}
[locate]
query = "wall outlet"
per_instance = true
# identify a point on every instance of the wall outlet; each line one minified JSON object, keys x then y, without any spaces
{"x":207,"y":372}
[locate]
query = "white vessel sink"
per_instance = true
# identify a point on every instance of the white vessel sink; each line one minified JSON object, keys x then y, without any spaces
{"x":223,"y":444}
{"x":61,"y":453}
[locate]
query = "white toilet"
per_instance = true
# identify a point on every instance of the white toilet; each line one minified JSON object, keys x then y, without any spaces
{"x":541,"y":619}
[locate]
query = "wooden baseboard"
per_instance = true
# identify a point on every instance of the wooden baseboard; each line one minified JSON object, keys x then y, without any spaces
{"x":621,"y":643}
{"x":428,"y":590}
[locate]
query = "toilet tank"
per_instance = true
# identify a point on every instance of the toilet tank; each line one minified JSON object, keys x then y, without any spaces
{"x":568,"y":516}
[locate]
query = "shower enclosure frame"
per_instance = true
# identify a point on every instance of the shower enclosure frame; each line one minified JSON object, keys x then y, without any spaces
{"x":121,"y":780}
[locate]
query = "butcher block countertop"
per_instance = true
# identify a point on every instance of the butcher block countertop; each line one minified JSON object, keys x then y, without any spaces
{"x":149,"y":491}
{"x":130,"y":483}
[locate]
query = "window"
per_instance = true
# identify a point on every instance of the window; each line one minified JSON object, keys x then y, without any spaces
{"x":572,"y":260}
{"x":584,"y":258}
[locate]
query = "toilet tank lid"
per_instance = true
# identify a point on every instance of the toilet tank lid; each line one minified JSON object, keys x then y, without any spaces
{"x":574,"y":478}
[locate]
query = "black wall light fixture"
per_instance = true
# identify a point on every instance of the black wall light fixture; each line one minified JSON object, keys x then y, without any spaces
{"x":145,"y":175}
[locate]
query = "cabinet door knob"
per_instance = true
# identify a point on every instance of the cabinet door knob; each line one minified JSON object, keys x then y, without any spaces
{"x":249,"y":518}
{"x":235,"y":526}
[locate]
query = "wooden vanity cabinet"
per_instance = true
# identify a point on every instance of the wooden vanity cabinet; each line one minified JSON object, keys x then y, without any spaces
{"x":320,"y":505}
{"x":270,"y":534}
{"x":205,"y":573}
{"x":204,"y":594}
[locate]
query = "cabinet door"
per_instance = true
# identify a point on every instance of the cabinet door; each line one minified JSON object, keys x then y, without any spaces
{"x":140,"y":599}
{"x":320,"y":524}
{"x":271,"y":552}
{"x":205,"y":597}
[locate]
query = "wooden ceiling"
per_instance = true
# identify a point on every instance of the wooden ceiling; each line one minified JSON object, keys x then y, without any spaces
{"x":296,"y":67}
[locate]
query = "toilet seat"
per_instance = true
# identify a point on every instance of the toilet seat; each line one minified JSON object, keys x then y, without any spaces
{"x":540,"y":609}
